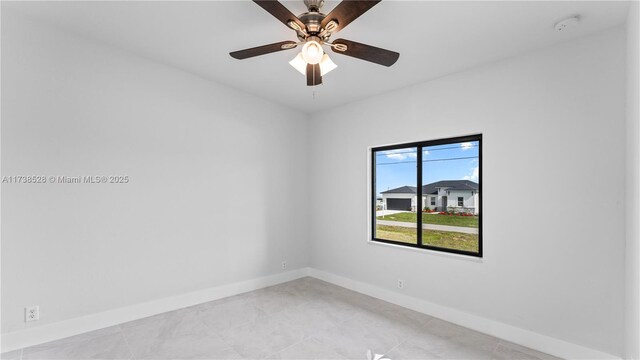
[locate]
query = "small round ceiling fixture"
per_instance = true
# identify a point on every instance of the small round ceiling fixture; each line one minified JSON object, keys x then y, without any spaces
{"x":566,"y":24}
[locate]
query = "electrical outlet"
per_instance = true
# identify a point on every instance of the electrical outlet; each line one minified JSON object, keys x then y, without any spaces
{"x":400,"y":284}
{"x":31,"y":313}
{"x":284,"y":265}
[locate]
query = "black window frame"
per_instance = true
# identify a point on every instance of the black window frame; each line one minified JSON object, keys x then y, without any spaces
{"x":460,"y":201}
{"x":419,"y":145}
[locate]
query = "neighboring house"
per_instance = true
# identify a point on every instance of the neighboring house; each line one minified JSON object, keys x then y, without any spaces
{"x":458,"y":195}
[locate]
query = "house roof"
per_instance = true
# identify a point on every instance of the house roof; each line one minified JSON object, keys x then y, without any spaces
{"x":433,"y":187}
{"x":402,"y":190}
{"x":450,"y":185}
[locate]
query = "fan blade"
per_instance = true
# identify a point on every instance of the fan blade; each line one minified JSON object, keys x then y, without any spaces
{"x":347,"y":11}
{"x":280,"y":12}
{"x":313,"y":75}
{"x":262,"y":50}
{"x":365,"y":52}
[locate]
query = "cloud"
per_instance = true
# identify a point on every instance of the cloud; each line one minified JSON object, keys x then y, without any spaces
{"x":466,"y":145}
{"x":397,"y":156}
{"x":475,"y":173}
{"x":400,"y":154}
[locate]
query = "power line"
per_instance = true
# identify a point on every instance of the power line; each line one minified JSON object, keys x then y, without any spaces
{"x":460,"y":158}
{"x":432,"y":160}
{"x":380,"y":153}
{"x":385,"y":152}
{"x":452,"y":147}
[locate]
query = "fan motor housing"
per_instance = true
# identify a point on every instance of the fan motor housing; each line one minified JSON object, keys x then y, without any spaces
{"x":313,"y":21}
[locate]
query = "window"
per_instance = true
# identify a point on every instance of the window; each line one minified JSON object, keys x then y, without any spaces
{"x":406,"y":176}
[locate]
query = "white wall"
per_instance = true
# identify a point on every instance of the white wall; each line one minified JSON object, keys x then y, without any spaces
{"x":632,"y":314}
{"x":452,"y":198}
{"x":552,"y":121}
{"x":208,"y":165}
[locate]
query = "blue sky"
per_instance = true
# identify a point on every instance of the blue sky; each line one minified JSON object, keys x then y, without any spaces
{"x":395,"y":168}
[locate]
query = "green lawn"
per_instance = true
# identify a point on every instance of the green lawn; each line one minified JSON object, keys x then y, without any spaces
{"x":444,"y":239}
{"x":465,"y":221}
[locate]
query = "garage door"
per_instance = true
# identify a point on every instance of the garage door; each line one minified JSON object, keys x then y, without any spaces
{"x":399,"y":204}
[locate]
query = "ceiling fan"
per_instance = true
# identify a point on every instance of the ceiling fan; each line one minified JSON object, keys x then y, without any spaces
{"x":314,"y":29}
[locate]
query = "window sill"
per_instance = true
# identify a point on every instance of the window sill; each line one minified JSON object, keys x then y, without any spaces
{"x":429,"y":251}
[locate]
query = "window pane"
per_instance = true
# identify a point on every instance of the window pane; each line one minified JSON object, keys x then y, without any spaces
{"x":396,"y":195}
{"x":450,"y":174}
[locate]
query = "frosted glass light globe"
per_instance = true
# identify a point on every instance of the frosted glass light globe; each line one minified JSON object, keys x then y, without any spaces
{"x":312,"y":52}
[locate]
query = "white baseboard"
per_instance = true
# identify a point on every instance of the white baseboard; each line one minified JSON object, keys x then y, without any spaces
{"x":500,"y":330}
{"x":50,"y":332}
{"x":59,"y":330}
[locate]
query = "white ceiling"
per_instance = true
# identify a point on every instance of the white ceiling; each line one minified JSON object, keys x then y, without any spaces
{"x":433,"y":39}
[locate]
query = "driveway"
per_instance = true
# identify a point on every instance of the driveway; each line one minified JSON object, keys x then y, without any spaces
{"x":389,"y":212}
{"x":460,"y":229}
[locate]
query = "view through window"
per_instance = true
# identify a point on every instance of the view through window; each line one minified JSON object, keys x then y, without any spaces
{"x":445,"y":207}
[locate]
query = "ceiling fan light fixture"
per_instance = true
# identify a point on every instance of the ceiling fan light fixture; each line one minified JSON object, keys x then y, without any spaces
{"x":326,"y":65}
{"x":312,"y":52}
{"x":299,"y":64}
{"x":313,"y":30}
